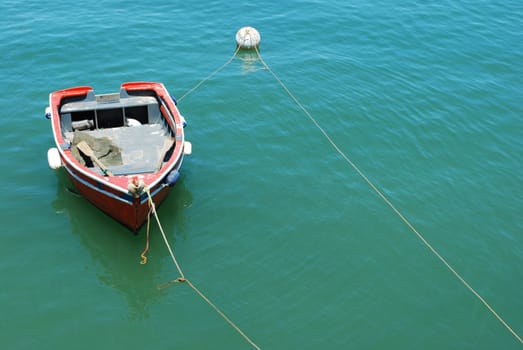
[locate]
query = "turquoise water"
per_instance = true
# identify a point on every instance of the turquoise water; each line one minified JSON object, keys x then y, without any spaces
{"x":268,"y":220}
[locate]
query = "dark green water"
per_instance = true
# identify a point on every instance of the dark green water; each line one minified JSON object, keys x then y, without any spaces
{"x":268,"y":220}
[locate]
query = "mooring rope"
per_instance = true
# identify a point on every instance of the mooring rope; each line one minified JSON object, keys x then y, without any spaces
{"x":367,"y":180}
{"x":389,"y":203}
{"x":183,"y":279}
{"x":146,"y":249}
{"x":153,"y":210}
{"x":210,"y":75}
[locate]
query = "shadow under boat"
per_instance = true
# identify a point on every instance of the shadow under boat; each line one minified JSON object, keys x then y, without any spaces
{"x":116,"y":252}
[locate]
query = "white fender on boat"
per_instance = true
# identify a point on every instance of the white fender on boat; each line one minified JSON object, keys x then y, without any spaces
{"x":48,"y":112}
{"x":53,"y":158}
{"x":187,"y":148}
{"x":248,"y":38}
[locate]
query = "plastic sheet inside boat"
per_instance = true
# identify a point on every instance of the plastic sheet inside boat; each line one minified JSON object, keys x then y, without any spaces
{"x":126,"y":150}
{"x":103,"y":148}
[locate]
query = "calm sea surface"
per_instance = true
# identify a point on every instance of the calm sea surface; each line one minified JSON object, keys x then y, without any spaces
{"x":268,"y":220}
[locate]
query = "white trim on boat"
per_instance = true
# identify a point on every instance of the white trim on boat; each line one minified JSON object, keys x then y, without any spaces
{"x":97,"y":189}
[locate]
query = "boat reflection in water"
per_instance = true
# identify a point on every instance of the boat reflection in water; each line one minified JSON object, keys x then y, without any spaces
{"x":116,"y":254}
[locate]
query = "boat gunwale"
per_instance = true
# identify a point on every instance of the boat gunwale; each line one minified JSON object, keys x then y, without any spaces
{"x":120,"y":182}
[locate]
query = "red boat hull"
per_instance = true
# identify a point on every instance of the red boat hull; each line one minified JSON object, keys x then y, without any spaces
{"x":110,"y":193}
{"x":129,"y":211}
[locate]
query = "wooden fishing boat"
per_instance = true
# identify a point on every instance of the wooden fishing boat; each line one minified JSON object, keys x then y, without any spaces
{"x":119,"y":149}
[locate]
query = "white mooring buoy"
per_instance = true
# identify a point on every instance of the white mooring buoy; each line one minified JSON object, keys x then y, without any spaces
{"x":248,"y":38}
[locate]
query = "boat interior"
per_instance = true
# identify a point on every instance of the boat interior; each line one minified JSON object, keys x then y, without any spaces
{"x":128,"y":134}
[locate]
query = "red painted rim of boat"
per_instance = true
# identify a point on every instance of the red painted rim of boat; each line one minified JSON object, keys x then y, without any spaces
{"x":120,"y":183}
